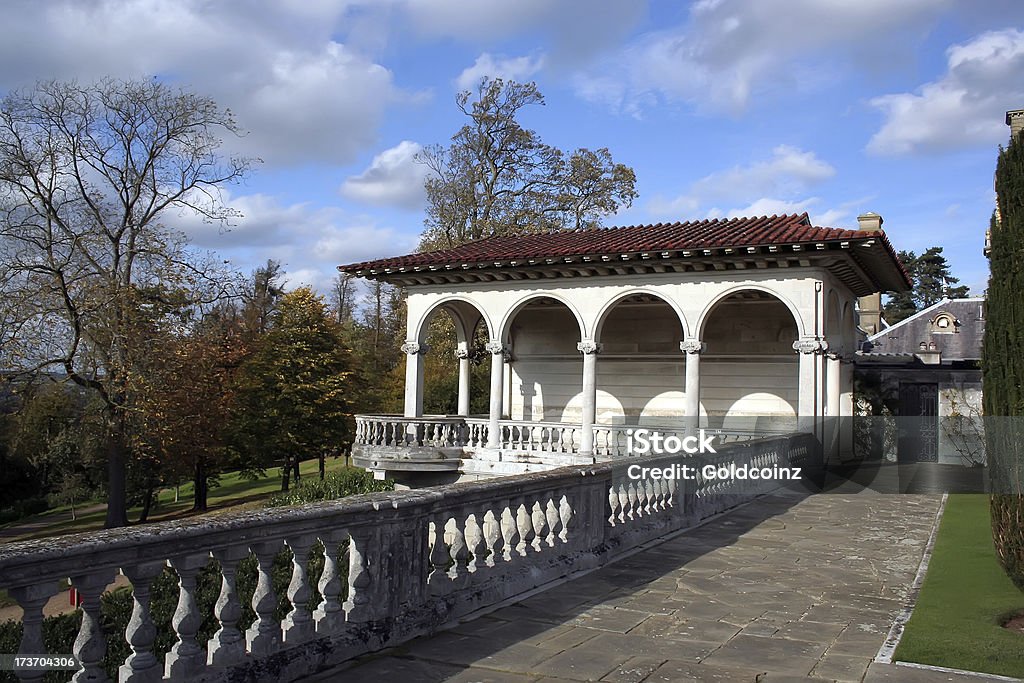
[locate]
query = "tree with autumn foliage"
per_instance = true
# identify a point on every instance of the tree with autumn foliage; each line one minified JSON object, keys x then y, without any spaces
{"x":293,"y":393}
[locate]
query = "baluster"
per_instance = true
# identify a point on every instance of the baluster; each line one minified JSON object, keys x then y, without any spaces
{"x":32,"y":599}
{"x":626,"y":510}
{"x":659,"y":494}
{"x":509,"y":531}
{"x":186,"y":658}
{"x":649,"y":506}
{"x":90,"y":645}
{"x":438,"y":580}
{"x":631,"y":494}
{"x":566,"y":517}
{"x":329,"y":617}
{"x":298,"y":625}
{"x":524,"y":523}
{"x":227,"y":646}
{"x":459,"y":551}
{"x":142,"y":664}
{"x":614,"y":505}
{"x":540,"y":526}
{"x":492,"y":538}
{"x":264,"y":635}
{"x":477,"y":544}
{"x":553,"y":520}
{"x":360,"y":582}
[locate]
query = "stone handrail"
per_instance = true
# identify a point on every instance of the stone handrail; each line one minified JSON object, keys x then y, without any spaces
{"x":416,"y":560}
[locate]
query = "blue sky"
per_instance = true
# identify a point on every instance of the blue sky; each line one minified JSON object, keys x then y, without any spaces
{"x":723,"y":107}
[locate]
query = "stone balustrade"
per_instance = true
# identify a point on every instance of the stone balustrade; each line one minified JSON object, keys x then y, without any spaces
{"x":396,"y":565}
{"x":398,"y":437}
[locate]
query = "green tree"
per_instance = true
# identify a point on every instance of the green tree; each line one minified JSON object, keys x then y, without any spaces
{"x":498,"y":178}
{"x":1003,"y":362}
{"x":88,"y":175}
{"x":932,"y":280}
{"x":294,"y":392}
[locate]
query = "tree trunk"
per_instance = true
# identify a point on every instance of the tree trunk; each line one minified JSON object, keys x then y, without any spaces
{"x":200,"y":486}
{"x":147,"y":504}
{"x":117,"y":506}
{"x":323,"y":467}
{"x":296,"y":469}
{"x":286,"y":473}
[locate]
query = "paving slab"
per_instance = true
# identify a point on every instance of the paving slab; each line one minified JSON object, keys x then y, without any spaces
{"x":787,"y":588}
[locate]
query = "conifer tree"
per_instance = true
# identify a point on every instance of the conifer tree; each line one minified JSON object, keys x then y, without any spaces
{"x":1003,"y":364}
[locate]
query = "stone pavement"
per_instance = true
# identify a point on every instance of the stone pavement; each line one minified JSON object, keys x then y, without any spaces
{"x":787,"y":588}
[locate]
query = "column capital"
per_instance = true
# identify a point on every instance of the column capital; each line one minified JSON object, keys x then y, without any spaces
{"x":495,"y":347}
{"x":463,"y":354}
{"x":835,"y":355}
{"x":412,"y":348}
{"x":588,"y":347}
{"x":692,"y":346}
{"x":810,"y":345}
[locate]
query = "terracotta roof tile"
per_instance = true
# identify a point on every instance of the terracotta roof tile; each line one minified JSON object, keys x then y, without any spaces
{"x":718,"y":233}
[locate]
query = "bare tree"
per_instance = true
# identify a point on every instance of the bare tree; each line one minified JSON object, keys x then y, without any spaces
{"x":343,"y":295}
{"x":88,"y":175}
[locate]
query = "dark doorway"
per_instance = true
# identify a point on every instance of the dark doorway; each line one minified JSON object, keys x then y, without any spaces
{"x":918,"y":422}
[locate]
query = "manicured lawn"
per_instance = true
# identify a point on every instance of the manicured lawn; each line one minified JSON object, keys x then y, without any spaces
{"x":234,"y":491}
{"x":964,"y":599}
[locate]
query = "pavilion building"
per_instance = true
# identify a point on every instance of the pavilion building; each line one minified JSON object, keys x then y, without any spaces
{"x":742,"y":326}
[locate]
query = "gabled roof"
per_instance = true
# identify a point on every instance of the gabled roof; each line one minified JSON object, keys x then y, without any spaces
{"x":905,"y":337}
{"x":717,"y":237}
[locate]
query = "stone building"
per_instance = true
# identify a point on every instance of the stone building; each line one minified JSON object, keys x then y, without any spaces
{"x":926,"y":370}
{"x":744,"y":326}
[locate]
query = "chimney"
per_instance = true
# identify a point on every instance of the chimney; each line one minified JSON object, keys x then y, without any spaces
{"x":870,"y":307}
{"x":1015,"y":120}
{"x":871,"y":221}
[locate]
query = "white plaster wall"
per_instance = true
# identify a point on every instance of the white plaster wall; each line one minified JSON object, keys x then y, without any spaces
{"x":963,"y":396}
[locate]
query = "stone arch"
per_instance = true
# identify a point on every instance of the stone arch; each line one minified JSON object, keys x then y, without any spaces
{"x":801,"y":327}
{"x":749,"y":373}
{"x":609,"y":305}
{"x":506,"y":322}
{"x":466,"y":313}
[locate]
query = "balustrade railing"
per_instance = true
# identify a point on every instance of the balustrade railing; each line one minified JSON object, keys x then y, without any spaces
{"x":395,"y":565}
{"x":524,"y":436}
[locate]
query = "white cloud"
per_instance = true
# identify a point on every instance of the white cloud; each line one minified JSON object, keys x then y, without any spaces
{"x":964,"y":107}
{"x":575,"y":30}
{"x":309,"y":241}
{"x":512,"y":68}
{"x":789,"y":171}
{"x":729,"y":50}
{"x":302,"y":96}
{"x":394,"y":178}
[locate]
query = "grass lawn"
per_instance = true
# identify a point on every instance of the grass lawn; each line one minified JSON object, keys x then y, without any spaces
{"x":234,"y":491}
{"x":964,"y":599}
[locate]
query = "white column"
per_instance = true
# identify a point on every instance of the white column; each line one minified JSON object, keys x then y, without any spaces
{"x":807,"y":405}
{"x":462,"y":353}
{"x":692,"y":348}
{"x":414,"y":378}
{"x":497,"y":350}
{"x":833,"y":369}
{"x":589,"y":348}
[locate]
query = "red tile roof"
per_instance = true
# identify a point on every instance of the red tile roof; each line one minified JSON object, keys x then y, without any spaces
{"x":706,"y":234}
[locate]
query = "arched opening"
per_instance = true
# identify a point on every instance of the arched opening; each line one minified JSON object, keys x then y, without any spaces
{"x":454,"y":333}
{"x":640,"y":372}
{"x":544,"y":369}
{"x":749,"y":375}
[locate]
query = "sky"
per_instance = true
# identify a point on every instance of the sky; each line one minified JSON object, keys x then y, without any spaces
{"x":722,"y":107}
